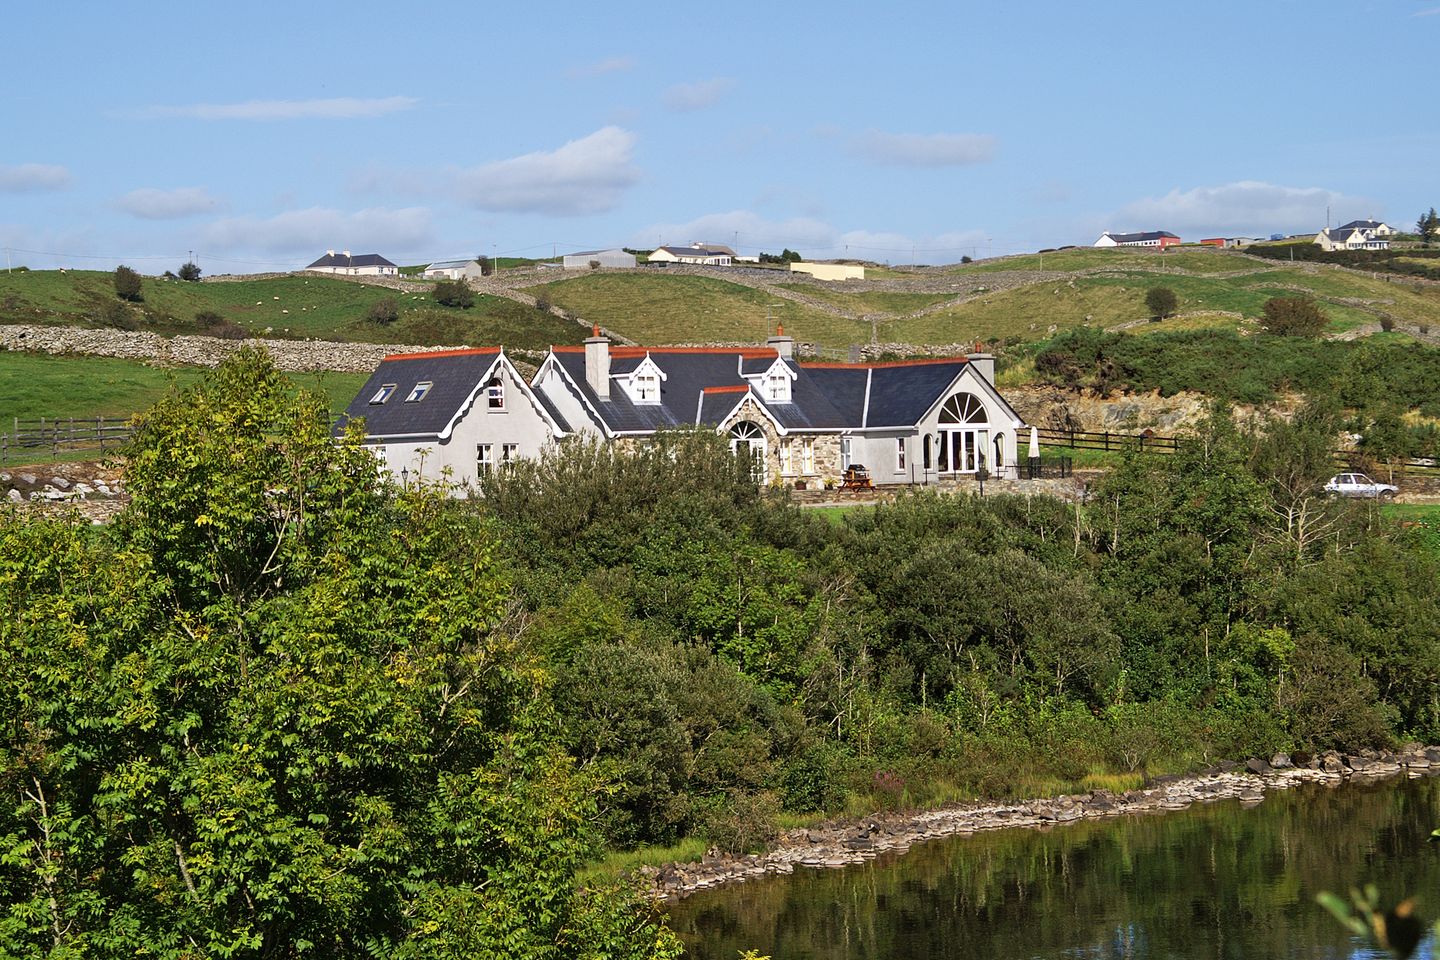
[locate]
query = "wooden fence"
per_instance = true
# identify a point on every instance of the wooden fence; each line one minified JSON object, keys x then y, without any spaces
{"x":24,"y":438}
{"x":1149,"y":442}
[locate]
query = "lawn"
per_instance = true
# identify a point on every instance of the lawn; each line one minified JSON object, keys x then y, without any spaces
{"x":1422,"y":518}
{"x":661,"y":309}
{"x":39,"y":385}
{"x":1085,"y":258}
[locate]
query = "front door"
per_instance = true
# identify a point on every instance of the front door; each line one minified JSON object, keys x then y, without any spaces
{"x":962,"y":451}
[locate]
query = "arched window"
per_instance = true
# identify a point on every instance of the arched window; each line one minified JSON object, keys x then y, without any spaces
{"x":495,"y":393}
{"x":963,"y":408}
{"x":749,"y":439}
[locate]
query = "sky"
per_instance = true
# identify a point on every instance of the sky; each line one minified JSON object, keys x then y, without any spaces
{"x":257,"y":136}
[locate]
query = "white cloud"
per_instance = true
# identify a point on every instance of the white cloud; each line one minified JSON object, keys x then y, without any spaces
{"x":1244,"y":208}
{"x":584,"y":176}
{"x":317,"y":229}
{"x":1428,"y":12}
{"x":33,"y":178}
{"x":149,"y":203}
{"x":813,"y":238}
{"x":334,"y":108}
{"x":601,"y":67}
{"x":685,"y":97}
{"x":925,"y":150}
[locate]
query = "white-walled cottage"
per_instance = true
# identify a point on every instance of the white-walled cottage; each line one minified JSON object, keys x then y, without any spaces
{"x":358,"y":265}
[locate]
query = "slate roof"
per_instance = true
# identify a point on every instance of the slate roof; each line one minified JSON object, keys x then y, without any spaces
{"x":700,"y":252}
{"x":340,"y":260}
{"x":449,"y":264}
{"x":1142,"y":237}
{"x":703,"y":385}
{"x":1362,"y":225}
{"x":453,"y":375}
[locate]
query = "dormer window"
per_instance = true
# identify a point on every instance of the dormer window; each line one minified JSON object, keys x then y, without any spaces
{"x":383,"y":393}
{"x":495,"y":394}
{"x":777,"y":387}
{"x":418,"y":394}
{"x":647,"y":388}
{"x":642,"y":385}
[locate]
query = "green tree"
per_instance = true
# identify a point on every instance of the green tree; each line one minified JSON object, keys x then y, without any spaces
{"x":384,"y":311}
{"x":190,"y":271}
{"x":127,"y":284}
{"x":1428,"y":226}
{"x":1293,"y":317}
{"x":267,"y":713}
{"x":454,"y":293}
{"x":1161,"y":301}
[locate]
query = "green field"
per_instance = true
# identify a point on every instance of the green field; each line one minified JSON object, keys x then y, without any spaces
{"x":658,"y":308}
{"x":293,"y":307}
{"x":39,"y":385}
{"x":1089,"y":258}
{"x":873,"y":301}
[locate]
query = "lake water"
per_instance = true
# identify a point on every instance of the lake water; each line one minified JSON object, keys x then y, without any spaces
{"x":1214,"y":881}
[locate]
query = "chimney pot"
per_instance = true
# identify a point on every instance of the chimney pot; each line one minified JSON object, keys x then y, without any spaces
{"x":597,"y":364}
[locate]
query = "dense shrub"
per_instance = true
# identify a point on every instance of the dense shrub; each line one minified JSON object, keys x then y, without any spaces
{"x":208,"y":318}
{"x":127,"y":284}
{"x":386,"y":310}
{"x":189,"y":271}
{"x":1161,"y":301}
{"x":454,"y":293}
{"x":1293,"y":317}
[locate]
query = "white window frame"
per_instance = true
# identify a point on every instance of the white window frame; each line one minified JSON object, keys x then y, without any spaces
{"x":495,"y":394}
{"x":509,"y":453}
{"x":899,"y":454}
{"x":777,"y":388}
{"x":846,"y":453}
{"x":386,"y":391}
{"x":421,"y":390}
{"x":807,"y":455}
{"x":483,"y":458}
{"x":646,"y":388}
{"x":787,"y":457}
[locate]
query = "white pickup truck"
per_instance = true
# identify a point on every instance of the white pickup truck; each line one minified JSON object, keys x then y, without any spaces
{"x":1359,"y":485}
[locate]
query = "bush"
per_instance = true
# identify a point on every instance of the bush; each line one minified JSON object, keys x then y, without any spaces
{"x":385,"y":311}
{"x":594,"y":264}
{"x":967,"y":259}
{"x":454,"y":293}
{"x":1387,"y":324}
{"x":117,"y":315}
{"x":190,"y":272}
{"x":1293,"y":317}
{"x":542,"y":303}
{"x":227,"y":330}
{"x":1161,"y":301}
{"x":208,"y":318}
{"x":744,"y":823}
{"x":127,"y":284}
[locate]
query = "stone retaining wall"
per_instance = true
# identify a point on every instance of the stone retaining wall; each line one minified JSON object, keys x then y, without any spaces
{"x":840,"y":844}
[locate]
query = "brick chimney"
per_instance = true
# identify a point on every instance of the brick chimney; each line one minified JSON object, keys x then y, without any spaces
{"x":984,"y":364}
{"x":785,"y":346}
{"x":597,"y":363}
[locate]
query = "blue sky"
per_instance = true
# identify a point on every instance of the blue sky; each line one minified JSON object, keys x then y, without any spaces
{"x":261,"y":135}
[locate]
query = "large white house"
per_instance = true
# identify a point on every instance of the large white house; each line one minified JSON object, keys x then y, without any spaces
{"x":1356,"y":235}
{"x":1158,"y":239}
{"x":450,"y":416}
{"x":698,"y":253}
{"x":364,"y":264}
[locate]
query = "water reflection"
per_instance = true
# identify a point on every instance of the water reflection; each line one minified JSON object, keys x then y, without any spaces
{"x":1216,"y":881}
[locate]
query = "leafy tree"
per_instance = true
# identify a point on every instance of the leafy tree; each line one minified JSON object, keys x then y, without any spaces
{"x":1293,"y":317}
{"x":454,"y":293}
{"x":190,"y":271}
{"x":127,"y":284}
{"x":1161,"y":301}
{"x":267,"y":713}
{"x":487,"y":266}
{"x":384,"y":311}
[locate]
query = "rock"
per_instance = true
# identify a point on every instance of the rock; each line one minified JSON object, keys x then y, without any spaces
{"x":1228,"y":765}
{"x":1281,"y":761}
{"x":1359,"y":763}
{"x":1432,"y":754}
{"x":83,"y":489}
{"x":28,"y":479}
{"x":15,"y":496}
{"x":4,"y":478}
{"x":60,"y":483}
{"x":1330,"y":762}
{"x":1256,"y":765}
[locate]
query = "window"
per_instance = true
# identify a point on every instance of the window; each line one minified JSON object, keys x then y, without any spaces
{"x":509,"y":453}
{"x":807,"y":455}
{"x":777,"y":388}
{"x":899,"y":454}
{"x":383,"y":393}
{"x":647,"y":388}
{"x":418,"y":394}
{"x":844,"y":453}
{"x":483,"y":459}
{"x":495,"y":394}
{"x":787,"y":457}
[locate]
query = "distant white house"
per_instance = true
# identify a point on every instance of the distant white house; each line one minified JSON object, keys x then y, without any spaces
{"x":454,"y":270}
{"x":1157,"y":239}
{"x":829,"y":271}
{"x":614,"y":258}
{"x":1356,"y":235}
{"x":699,"y":253}
{"x":364,"y":264}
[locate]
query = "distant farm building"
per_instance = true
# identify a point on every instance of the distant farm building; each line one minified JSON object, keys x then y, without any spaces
{"x":454,"y":270}
{"x":1154,"y":239}
{"x":360,"y":265}
{"x":830,"y":271}
{"x":1356,"y":235}
{"x":613,"y":258}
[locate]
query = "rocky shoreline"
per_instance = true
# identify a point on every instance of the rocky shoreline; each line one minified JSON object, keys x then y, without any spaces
{"x":843,"y":843}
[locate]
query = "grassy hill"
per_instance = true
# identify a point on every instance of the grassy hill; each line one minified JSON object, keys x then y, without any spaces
{"x":286,"y":307}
